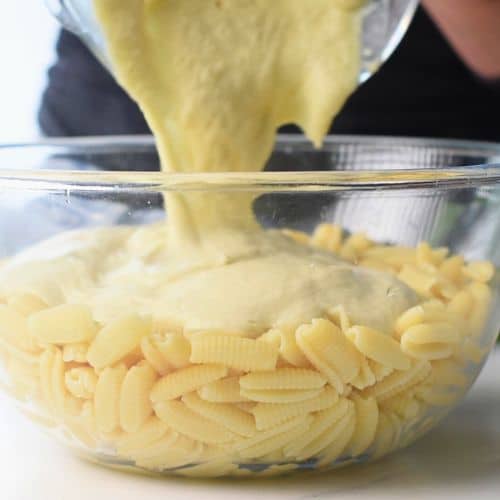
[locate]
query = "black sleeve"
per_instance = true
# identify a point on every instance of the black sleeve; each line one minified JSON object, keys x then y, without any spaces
{"x":82,"y":98}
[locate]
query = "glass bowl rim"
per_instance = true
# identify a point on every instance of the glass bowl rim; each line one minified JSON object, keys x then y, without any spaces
{"x":482,"y":174}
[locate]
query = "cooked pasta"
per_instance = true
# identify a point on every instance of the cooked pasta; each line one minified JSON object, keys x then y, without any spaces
{"x":230,"y":416}
{"x":63,"y":324}
{"x":205,"y":403}
{"x":379,"y":347}
{"x":226,"y":390}
{"x":283,"y":378}
{"x":271,"y":414}
{"x":327,"y":348}
{"x":188,"y":379}
{"x":182,"y":419}
{"x":117,"y":339}
{"x":107,"y":398}
{"x":135,"y":403}
{"x":234,"y":352}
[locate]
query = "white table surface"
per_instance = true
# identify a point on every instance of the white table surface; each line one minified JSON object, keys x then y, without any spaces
{"x":460,"y":460}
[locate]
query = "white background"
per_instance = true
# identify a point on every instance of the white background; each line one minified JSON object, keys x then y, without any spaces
{"x":27,"y":37}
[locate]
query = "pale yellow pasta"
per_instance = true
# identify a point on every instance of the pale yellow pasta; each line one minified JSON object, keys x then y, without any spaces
{"x":81,"y":382}
{"x":283,"y":378}
{"x":235,"y":352}
{"x":328,"y":237}
{"x":399,"y":381}
{"x":209,"y":469}
{"x":323,"y":420}
{"x":174,"y":348}
{"x":482,"y":271}
{"x":438,"y":396}
{"x":428,"y":312}
{"x":185,"y":421}
{"x":379,"y":370}
{"x":226,"y":390}
{"x":117,"y":339}
{"x":461,"y":304}
{"x":183,"y":451}
{"x":49,"y":368}
{"x":278,"y":441}
{"x":230,"y":416}
{"x":388,"y":430}
{"x":338,"y":447}
{"x":379,"y":347}
{"x":26,"y":303}
{"x":279,"y":396}
{"x":186,"y":380}
{"x":469,"y":351}
{"x":135,"y":403}
{"x":403,"y":405}
{"x":330,"y":436}
{"x":366,"y":376}
{"x":153,"y":449}
{"x":481,"y":294}
{"x":421,"y":281}
{"x":107,"y":398}
{"x":24,"y":378}
{"x":396,"y":257}
{"x":451,"y":269}
{"x":366,"y":411}
{"x":271,"y":414}
{"x":14,"y":330}
{"x":327,"y":348}
{"x":153,"y":356}
{"x":75,"y":352}
{"x":283,"y":339}
{"x":63,"y":324}
{"x":430,"y":341}
{"x":152,"y":430}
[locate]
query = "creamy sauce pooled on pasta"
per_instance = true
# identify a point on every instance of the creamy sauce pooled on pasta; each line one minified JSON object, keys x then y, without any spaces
{"x":215,"y":79}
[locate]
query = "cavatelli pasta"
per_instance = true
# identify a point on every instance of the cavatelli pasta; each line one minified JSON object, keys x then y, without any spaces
{"x":481,"y":294}
{"x":117,"y":339}
{"x":279,"y":396}
{"x":451,"y":268}
{"x":339,"y":316}
{"x":482,"y":271}
{"x":338,"y":447}
{"x":379,"y":347}
{"x":153,"y":356}
{"x":76,"y":352}
{"x":185,"y":421}
{"x":226,"y":390}
{"x":366,"y":411}
{"x":329,"y":437}
{"x":283,"y":378}
{"x":328,"y":237}
{"x":230,"y":416}
{"x":107,"y":398}
{"x":379,"y":370}
{"x":323,"y":420}
{"x":399,"y":381}
{"x":14,"y":331}
{"x":428,"y":312}
{"x":135,"y":403}
{"x":26,"y":303}
{"x":275,"y":443}
{"x":63,"y":324}
{"x":151,"y":431}
{"x":284,"y":340}
{"x":81,"y":382}
{"x":235,"y":352}
{"x":327,"y":348}
{"x":430,"y":341}
{"x":186,"y":380}
{"x":271,"y":414}
{"x":174,"y":348}
{"x":366,"y":377}
{"x":421,"y":281}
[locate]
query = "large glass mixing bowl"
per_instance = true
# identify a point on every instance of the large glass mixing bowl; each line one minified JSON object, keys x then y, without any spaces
{"x":138,"y":394}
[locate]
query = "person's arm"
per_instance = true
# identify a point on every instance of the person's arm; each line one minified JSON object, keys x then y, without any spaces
{"x":473,"y":29}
